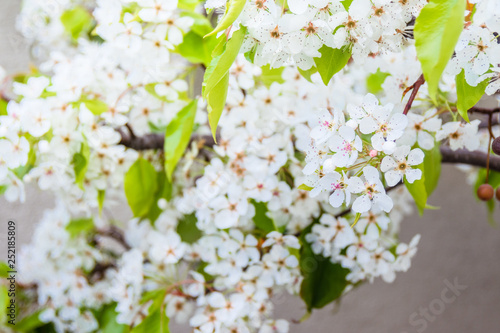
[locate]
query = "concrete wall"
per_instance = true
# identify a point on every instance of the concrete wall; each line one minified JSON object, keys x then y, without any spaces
{"x":457,"y":244}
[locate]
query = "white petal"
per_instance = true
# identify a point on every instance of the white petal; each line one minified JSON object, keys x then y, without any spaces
{"x":337,"y":198}
{"x":415,"y":157}
{"x":413,"y":174}
{"x":362,"y":204}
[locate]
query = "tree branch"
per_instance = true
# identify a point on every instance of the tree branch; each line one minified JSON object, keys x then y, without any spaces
{"x":155,"y":140}
{"x":474,"y":158}
{"x":116,"y":234}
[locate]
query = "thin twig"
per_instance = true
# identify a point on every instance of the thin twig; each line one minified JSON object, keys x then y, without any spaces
{"x":416,"y":86}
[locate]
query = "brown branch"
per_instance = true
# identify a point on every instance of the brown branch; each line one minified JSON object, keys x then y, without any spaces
{"x":416,"y":86}
{"x":484,"y":111}
{"x":155,"y":140}
{"x":148,"y":141}
{"x":474,"y":158}
{"x":459,"y":156}
{"x":116,"y":234}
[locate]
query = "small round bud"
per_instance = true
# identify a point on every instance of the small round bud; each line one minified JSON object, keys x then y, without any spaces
{"x":496,"y":146}
{"x":373,"y":153}
{"x":485,"y":192}
{"x":162,"y":204}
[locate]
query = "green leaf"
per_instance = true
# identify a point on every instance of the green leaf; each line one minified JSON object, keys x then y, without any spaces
{"x":30,"y":322}
{"x":188,"y":4}
{"x":306,"y":74}
{"x":261,"y":220}
{"x":201,"y":25}
{"x":177,"y":136}
{"x":3,"y":107}
{"x":305,"y":187}
{"x":323,"y":281}
{"x":422,"y":189}
{"x":156,"y":322}
{"x":233,"y":10}
{"x":4,"y":268}
{"x":77,"y":21}
{"x":197,"y":49}
{"x":331,"y":61}
{"x":101,"y":195}
{"x":418,"y":191}
{"x":216,"y":77}
{"x":432,"y":169}
{"x":80,"y":164}
{"x":164,"y":192}
{"x":187,"y":229}
{"x":140,"y":186}
{"x":468,"y":96}
{"x":216,"y":100}
{"x":4,"y":303}
{"x":346,"y":4}
{"x":270,"y":75}
{"x":95,"y":106}
{"x":374,"y":81}
{"x":79,"y":226}
{"x":108,"y":323}
{"x":436,"y":32}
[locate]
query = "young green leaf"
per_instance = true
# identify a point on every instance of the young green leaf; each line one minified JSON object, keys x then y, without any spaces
{"x":187,"y":229}
{"x":261,"y":220}
{"x":233,"y":10}
{"x":4,"y":302}
{"x":331,"y":61}
{"x":306,"y":74}
{"x":3,"y":107}
{"x":432,"y":168}
{"x":375,"y":80}
{"x":156,"y":321}
{"x":270,"y":75}
{"x":140,"y":186}
{"x":164,"y":192}
{"x":80,"y":164}
{"x":177,"y":136}
{"x":323,"y":281}
{"x":4,"y":269}
{"x":418,"y":191}
{"x":95,"y":106}
{"x":76,"y":21}
{"x":79,"y":226}
{"x":101,"y":195}
{"x":189,"y":5}
{"x":305,"y":187}
{"x":468,"y":96}
{"x":436,"y":32}
{"x":30,"y":322}
{"x":197,"y":49}
{"x":216,"y":77}
{"x":201,"y":25}
{"x":108,"y":323}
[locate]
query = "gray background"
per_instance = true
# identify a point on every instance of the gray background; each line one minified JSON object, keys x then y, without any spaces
{"x":457,"y":243}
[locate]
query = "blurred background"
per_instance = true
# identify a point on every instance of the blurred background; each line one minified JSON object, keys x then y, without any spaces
{"x":452,"y":286}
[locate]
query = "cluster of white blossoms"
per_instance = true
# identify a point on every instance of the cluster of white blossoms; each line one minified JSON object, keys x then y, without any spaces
{"x":296,"y":35}
{"x":301,"y":170}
